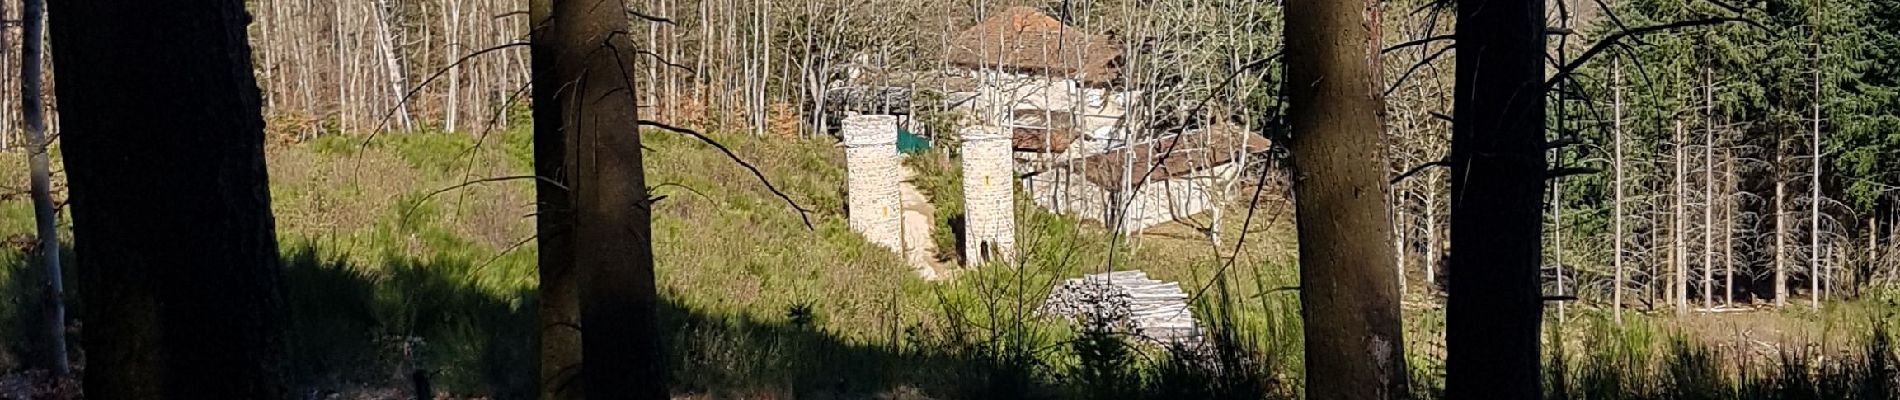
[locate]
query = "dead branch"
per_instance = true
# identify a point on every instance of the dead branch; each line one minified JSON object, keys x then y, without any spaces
{"x":1419,"y":42}
{"x":1570,"y":171}
{"x":1420,"y":168}
{"x":1396,"y":83}
{"x":803,"y":213}
{"x":1568,"y":69}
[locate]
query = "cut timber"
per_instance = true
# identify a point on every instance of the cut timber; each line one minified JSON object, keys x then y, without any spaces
{"x":1153,"y":310}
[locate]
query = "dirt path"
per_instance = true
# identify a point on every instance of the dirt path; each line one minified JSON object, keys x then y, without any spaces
{"x":920,"y":251}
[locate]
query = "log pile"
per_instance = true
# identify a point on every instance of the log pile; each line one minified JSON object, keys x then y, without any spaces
{"x":1129,"y":302}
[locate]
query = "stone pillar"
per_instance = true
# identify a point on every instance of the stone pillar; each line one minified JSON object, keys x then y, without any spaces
{"x":871,"y":197}
{"x":989,"y":212}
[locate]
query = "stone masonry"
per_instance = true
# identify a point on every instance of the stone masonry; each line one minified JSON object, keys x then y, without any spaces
{"x":871,"y":179}
{"x":989,"y":212}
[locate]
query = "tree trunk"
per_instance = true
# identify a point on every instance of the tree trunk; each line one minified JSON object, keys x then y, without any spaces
{"x":1431,"y":232}
{"x":1814,"y":201}
{"x":1708,"y":196}
{"x":613,"y":249}
{"x":1349,"y":295}
{"x":1498,"y":171}
{"x":1728,"y":230}
{"x":386,"y":31}
{"x":1679,"y":292}
{"x":46,"y":217}
{"x":171,"y":207}
{"x":559,"y":310}
{"x":452,"y":110}
{"x":1616,"y":213}
{"x":1781,"y":244}
{"x":1399,"y":229}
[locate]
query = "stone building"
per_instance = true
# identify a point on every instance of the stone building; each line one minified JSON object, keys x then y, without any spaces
{"x":871,"y":179}
{"x":1161,"y":180}
{"x":989,"y":183}
{"x":1023,"y":59}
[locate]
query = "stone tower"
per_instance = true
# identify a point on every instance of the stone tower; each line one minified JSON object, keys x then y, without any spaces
{"x":871,"y":198}
{"x":989,"y":211}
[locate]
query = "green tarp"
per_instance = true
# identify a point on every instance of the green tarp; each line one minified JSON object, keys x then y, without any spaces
{"x":910,"y":143}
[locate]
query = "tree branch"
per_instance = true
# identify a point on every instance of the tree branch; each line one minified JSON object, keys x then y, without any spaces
{"x":1570,"y":171}
{"x":1421,"y":168}
{"x":1419,"y":42}
{"x":425,"y":83}
{"x":432,"y":194}
{"x":651,"y":18}
{"x":803,"y":213}
{"x":1421,"y":64}
{"x":1611,"y":40}
{"x":1563,"y":142}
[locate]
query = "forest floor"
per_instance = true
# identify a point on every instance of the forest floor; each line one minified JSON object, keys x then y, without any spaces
{"x":390,"y":243}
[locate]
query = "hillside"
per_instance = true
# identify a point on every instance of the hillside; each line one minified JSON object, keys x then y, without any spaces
{"x":426,"y":235}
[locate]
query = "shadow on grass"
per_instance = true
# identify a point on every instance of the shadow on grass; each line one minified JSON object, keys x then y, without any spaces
{"x":372,"y":326}
{"x":363,"y":330}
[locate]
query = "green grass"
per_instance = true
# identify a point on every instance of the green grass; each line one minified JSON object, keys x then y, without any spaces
{"x":388,"y":270}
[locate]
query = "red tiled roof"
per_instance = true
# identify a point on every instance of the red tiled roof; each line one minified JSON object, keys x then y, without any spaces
{"x":1171,"y":156}
{"x":1024,"y":39}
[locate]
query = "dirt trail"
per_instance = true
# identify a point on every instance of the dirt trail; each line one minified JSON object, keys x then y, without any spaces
{"x":920,"y":251}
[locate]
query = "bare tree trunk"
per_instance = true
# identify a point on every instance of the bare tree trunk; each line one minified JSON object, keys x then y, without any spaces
{"x":47,"y":218}
{"x":1616,"y":214}
{"x":385,"y":20}
{"x":1400,"y":231}
{"x":1781,"y":244}
{"x":1431,"y":234}
{"x":613,"y":253}
{"x":453,"y":110}
{"x":1349,"y":295}
{"x":1728,"y":233}
{"x":1708,"y":197}
{"x":178,"y":263}
{"x":1498,"y":167}
{"x":1557,"y":237}
{"x":1680,"y":291}
{"x":1814,"y":200}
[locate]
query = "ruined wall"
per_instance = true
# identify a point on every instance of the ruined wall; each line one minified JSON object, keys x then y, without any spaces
{"x":989,"y":211}
{"x":871,"y":179}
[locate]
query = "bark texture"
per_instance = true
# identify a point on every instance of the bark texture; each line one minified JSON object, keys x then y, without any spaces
{"x":172,"y":227}
{"x":612,"y":242}
{"x":558,"y":301}
{"x":1349,"y":293}
{"x":1498,"y":171}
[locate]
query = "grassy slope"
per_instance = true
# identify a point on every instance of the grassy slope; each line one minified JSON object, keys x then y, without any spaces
{"x":758,"y":304}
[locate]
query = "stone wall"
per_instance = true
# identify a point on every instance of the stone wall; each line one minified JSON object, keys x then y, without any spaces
{"x":1153,"y":202}
{"x":871,"y":179}
{"x":1002,"y":92}
{"x":989,"y":212}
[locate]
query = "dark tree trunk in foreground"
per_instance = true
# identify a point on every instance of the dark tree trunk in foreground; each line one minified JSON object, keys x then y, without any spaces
{"x":46,"y":217}
{"x":1498,"y":170}
{"x":163,"y":144}
{"x":612,"y":236}
{"x":559,"y":314}
{"x":1348,"y":292}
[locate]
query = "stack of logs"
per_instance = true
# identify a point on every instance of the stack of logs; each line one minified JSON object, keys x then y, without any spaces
{"x":1128,"y":302}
